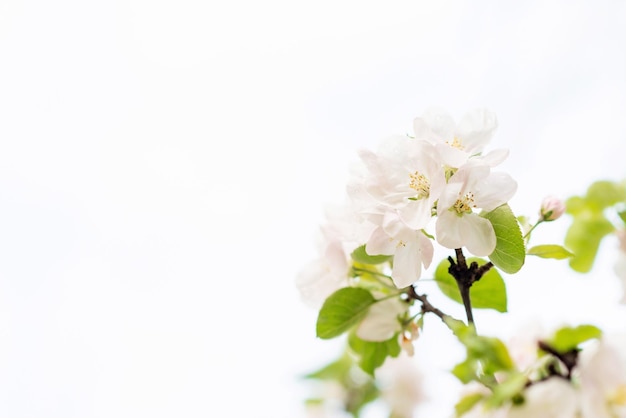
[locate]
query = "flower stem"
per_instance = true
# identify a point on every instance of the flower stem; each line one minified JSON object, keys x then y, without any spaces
{"x":465,"y":277}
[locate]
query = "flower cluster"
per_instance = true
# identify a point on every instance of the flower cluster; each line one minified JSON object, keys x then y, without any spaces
{"x":438,"y":186}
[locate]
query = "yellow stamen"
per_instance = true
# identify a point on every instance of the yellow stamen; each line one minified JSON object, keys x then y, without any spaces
{"x":456,"y":143}
{"x":420,"y":184}
{"x":464,"y":204}
{"x":618,"y":397}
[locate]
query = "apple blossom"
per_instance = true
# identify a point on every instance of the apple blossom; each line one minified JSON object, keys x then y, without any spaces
{"x":382,"y":321}
{"x":411,"y":249}
{"x":602,"y":370}
{"x":405,"y":175}
{"x":321,"y":277}
{"x":551,"y":208}
{"x":456,"y":142}
{"x":401,"y":385}
{"x":473,"y":186}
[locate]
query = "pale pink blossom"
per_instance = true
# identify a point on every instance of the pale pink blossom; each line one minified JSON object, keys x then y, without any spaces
{"x":406,"y":176}
{"x":602,"y":371}
{"x":401,"y":385}
{"x":552,"y":208}
{"x":472,"y":187}
{"x":382,"y":320}
{"x":456,"y":143}
{"x":411,"y":249}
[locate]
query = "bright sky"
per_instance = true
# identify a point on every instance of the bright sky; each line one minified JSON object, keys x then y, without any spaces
{"x":164,"y":166}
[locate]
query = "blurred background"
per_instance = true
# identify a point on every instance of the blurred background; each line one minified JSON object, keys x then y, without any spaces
{"x":165,"y":165}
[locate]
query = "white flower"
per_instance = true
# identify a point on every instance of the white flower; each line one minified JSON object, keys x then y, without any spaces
{"x":473,"y":186}
{"x":329,"y":272}
{"x":456,"y":142}
{"x":401,"y":385}
{"x":381,"y":322}
{"x":323,"y":276}
{"x":411,"y":249}
{"x":602,"y":369}
{"x":553,"y":398}
{"x":405,"y":175}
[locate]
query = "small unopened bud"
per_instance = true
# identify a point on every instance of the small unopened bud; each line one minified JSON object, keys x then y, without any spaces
{"x":551,"y":208}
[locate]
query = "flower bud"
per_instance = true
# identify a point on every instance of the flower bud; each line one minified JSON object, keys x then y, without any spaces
{"x":551,"y":208}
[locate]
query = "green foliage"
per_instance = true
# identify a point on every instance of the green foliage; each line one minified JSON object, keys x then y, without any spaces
{"x":485,"y":355}
{"x":359,"y":387}
{"x":466,"y":403}
{"x":372,"y":354}
{"x":590,"y":224}
{"x":550,"y":251}
{"x":507,"y":390}
{"x":569,"y":338}
{"x":342,"y":310}
{"x":360,"y":256}
{"x":487,"y":293}
{"x":510,"y":251}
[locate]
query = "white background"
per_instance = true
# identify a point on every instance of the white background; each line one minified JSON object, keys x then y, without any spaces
{"x":164,"y":166}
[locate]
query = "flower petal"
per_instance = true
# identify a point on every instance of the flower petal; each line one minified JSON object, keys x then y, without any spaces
{"x":478,"y":234}
{"x":476,"y":129}
{"x":381,"y":322}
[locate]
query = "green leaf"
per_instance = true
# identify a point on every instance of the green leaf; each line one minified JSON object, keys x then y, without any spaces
{"x":465,"y":371}
{"x":467,"y":403}
{"x":487,"y":293}
{"x":341,"y":310}
{"x":507,"y":390}
{"x":332,"y":371}
{"x":584,"y":236}
{"x":603,"y":194}
{"x":510,"y":252}
{"x":550,"y":251}
{"x":485,"y":355}
{"x":622,"y":215}
{"x":568,"y":338}
{"x":360,"y":256}
{"x":372,"y":354}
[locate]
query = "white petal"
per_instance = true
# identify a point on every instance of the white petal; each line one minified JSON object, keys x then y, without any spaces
{"x":381,"y":322}
{"x":416,"y":214}
{"x":477,"y":234}
{"x":451,"y":156}
{"x":434,"y":124}
{"x":495,"y":157}
{"x":554,"y":398}
{"x":448,"y":229}
{"x":408,"y":260}
{"x":476,"y":129}
{"x":379,"y":243}
{"x":494,"y":190}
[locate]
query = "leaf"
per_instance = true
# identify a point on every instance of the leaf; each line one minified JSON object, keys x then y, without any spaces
{"x":332,"y":371}
{"x":487,"y":293}
{"x":568,"y":338}
{"x":603,"y":194}
{"x":372,"y":354}
{"x":507,"y":390}
{"x":485,"y":356}
{"x":360,"y":256}
{"x":510,"y":252}
{"x":584,"y":236}
{"x":467,"y":403}
{"x":550,"y":251}
{"x":341,"y":310}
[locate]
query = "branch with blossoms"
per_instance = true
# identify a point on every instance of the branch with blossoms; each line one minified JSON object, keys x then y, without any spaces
{"x":440,"y":187}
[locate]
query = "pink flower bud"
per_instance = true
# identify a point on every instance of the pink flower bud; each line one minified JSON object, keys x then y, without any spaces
{"x":551,"y":208}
